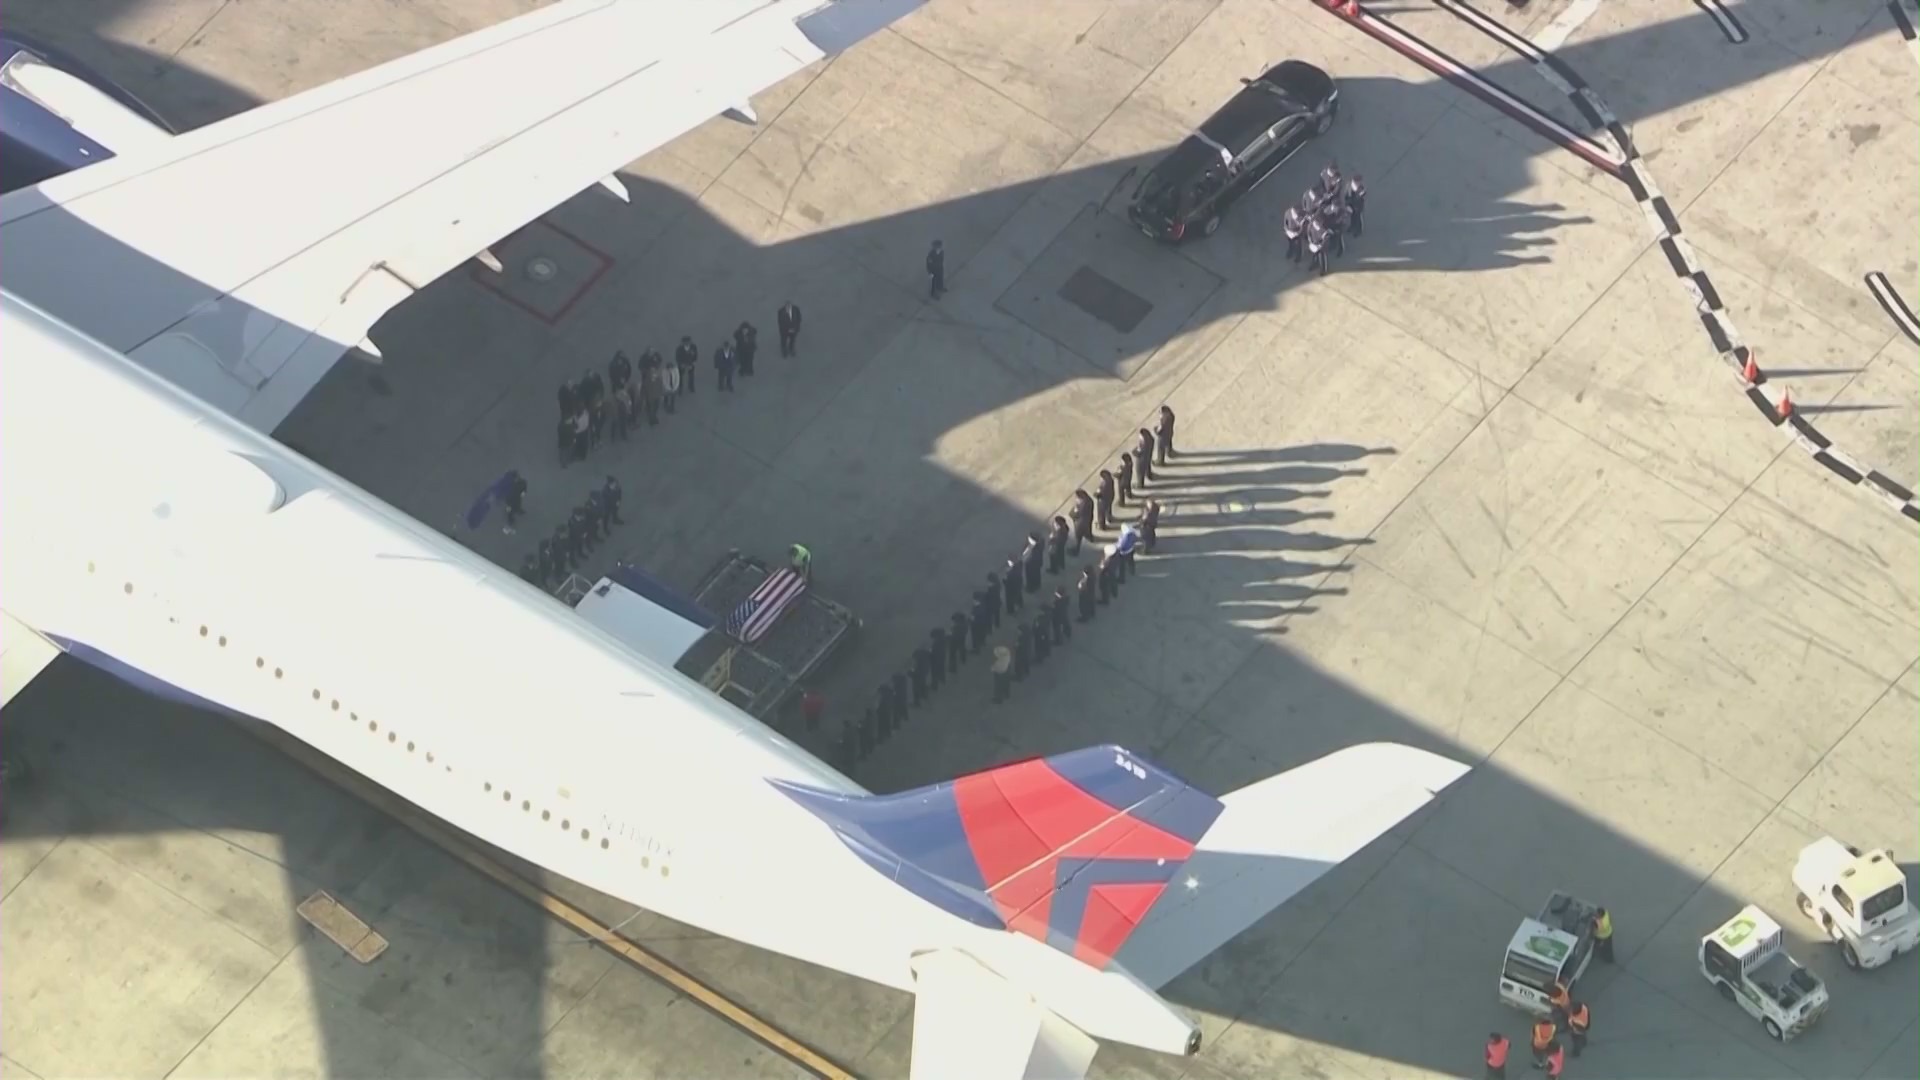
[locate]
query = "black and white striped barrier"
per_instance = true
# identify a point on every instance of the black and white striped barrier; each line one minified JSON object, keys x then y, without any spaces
{"x":1623,"y":160}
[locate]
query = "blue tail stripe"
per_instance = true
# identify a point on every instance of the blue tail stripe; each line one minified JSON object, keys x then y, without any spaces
{"x":1127,"y":782}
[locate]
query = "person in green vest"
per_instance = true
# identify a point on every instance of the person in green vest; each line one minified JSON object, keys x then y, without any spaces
{"x":801,"y":560}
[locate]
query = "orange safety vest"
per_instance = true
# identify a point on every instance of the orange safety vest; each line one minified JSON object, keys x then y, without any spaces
{"x":1497,"y":1052}
{"x":1556,"y":1060}
{"x":1580,"y":1018}
{"x":1560,"y":998}
{"x":1542,"y":1034}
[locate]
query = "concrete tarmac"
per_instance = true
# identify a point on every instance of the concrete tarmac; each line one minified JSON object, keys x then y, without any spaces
{"x":1487,"y":489}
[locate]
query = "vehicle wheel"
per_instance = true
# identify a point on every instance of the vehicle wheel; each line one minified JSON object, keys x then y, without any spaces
{"x":1847,"y":954}
{"x":1773,"y":1031}
{"x":1806,"y":905}
{"x":1212,"y":226}
{"x":1725,"y":988}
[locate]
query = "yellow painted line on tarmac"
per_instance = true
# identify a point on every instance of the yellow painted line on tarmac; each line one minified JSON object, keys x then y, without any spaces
{"x":579,"y":921}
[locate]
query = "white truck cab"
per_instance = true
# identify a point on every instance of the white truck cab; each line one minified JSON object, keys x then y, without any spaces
{"x":1746,"y":960}
{"x":1859,"y":899}
{"x":1553,"y":947}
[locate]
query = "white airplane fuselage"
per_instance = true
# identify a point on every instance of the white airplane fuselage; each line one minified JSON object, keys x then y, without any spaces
{"x":153,"y":535}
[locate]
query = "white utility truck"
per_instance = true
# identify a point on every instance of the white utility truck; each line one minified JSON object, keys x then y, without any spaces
{"x":1553,"y":947}
{"x":1746,"y":960}
{"x":1858,"y":899}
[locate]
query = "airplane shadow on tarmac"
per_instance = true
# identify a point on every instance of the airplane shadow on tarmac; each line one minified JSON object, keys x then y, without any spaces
{"x":119,"y":771}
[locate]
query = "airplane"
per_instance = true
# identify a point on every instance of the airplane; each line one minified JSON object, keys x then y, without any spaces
{"x":1034,"y":909}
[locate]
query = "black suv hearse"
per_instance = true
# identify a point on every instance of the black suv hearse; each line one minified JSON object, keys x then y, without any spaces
{"x":1235,"y":149}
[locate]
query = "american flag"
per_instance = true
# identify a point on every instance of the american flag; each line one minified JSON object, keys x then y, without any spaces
{"x":757,"y":613}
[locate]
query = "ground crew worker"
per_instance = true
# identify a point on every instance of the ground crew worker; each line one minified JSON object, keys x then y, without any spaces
{"x":1082,"y":518}
{"x":1125,"y":473}
{"x":937,"y":655}
{"x":1010,"y":585}
{"x":686,"y":357}
{"x":1293,"y":225}
{"x":1163,"y":435}
{"x":1143,"y":456}
{"x":1560,"y":1000}
{"x":1042,"y":641}
{"x":1086,"y":591}
{"x":1603,"y":935}
{"x":1002,"y":673}
{"x":1579,"y":1019}
{"x":1103,"y":500}
{"x":956,"y":641}
{"x":1497,"y":1047}
{"x":1543,"y":1032}
{"x":1022,"y":652}
{"x":801,"y":561}
{"x":1030,"y":557}
{"x":1062,"y":625}
{"x":1556,"y":1061}
{"x":922,"y":667}
{"x":1057,"y":534}
{"x":788,"y":321}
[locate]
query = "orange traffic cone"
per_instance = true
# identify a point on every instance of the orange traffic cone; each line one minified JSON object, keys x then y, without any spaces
{"x":1785,"y":408}
{"x":1751,"y":373}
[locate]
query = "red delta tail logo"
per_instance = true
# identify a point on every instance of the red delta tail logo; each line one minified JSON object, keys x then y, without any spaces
{"x":1072,"y":850}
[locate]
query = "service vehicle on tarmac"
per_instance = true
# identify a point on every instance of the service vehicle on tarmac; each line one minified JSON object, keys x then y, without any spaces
{"x":1553,"y":947}
{"x":1746,"y":960}
{"x":1859,"y":899}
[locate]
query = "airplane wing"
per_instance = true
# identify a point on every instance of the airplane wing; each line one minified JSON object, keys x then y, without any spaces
{"x":241,"y":260}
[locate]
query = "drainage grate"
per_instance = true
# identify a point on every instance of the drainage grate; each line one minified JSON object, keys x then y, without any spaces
{"x":1105,"y":299}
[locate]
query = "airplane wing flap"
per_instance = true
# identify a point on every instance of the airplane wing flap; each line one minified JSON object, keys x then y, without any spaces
{"x":287,"y":231}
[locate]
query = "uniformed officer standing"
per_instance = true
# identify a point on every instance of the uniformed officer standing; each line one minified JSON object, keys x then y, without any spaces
{"x":1293,"y":225}
{"x":1317,"y":245}
{"x":937,"y":655}
{"x":1329,"y":181}
{"x":1143,"y":456}
{"x":980,"y":623}
{"x":686,"y":357}
{"x":1057,"y":534}
{"x":1030,"y":560}
{"x":956,"y":641}
{"x":1335,"y":217}
{"x":1062,"y":625}
{"x":936,"y":270}
{"x":530,"y":570}
{"x":1149,"y":525}
{"x":746,"y":340}
{"x":1086,"y":589}
{"x":788,"y":321}
{"x":578,"y":538}
{"x":516,"y":498}
{"x":1104,"y":577}
{"x":1125,"y":474}
{"x":723,"y":365}
{"x":1357,"y":206}
{"x":610,"y":491}
{"x":1082,"y":515}
{"x":1002,"y":673}
{"x":1042,"y":641}
{"x":1103,"y":500}
{"x":543,"y":560}
{"x":1010,"y":585}
{"x":1163,"y":434}
{"x":596,"y":517}
{"x":922,"y":668}
{"x":619,"y":370}
{"x":899,"y":699}
{"x":565,"y":555}
{"x":1022,"y":651}
{"x":995,"y":598}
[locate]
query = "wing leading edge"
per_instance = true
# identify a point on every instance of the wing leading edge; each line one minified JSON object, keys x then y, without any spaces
{"x":243,"y":259}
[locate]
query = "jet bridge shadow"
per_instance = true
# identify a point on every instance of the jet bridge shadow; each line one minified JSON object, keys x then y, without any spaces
{"x":121,"y":771}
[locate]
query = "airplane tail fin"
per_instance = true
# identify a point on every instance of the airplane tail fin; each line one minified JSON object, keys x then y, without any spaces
{"x":1118,"y":863}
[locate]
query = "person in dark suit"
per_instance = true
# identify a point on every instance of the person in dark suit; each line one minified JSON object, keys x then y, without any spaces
{"x":788,"y":320}
{"x":936,"y":270}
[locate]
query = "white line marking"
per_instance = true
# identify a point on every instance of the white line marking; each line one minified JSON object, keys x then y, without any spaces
{"x":1565,"y":23}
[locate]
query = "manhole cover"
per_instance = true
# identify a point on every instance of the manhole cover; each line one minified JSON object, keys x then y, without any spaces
{"x":541,"y":268}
